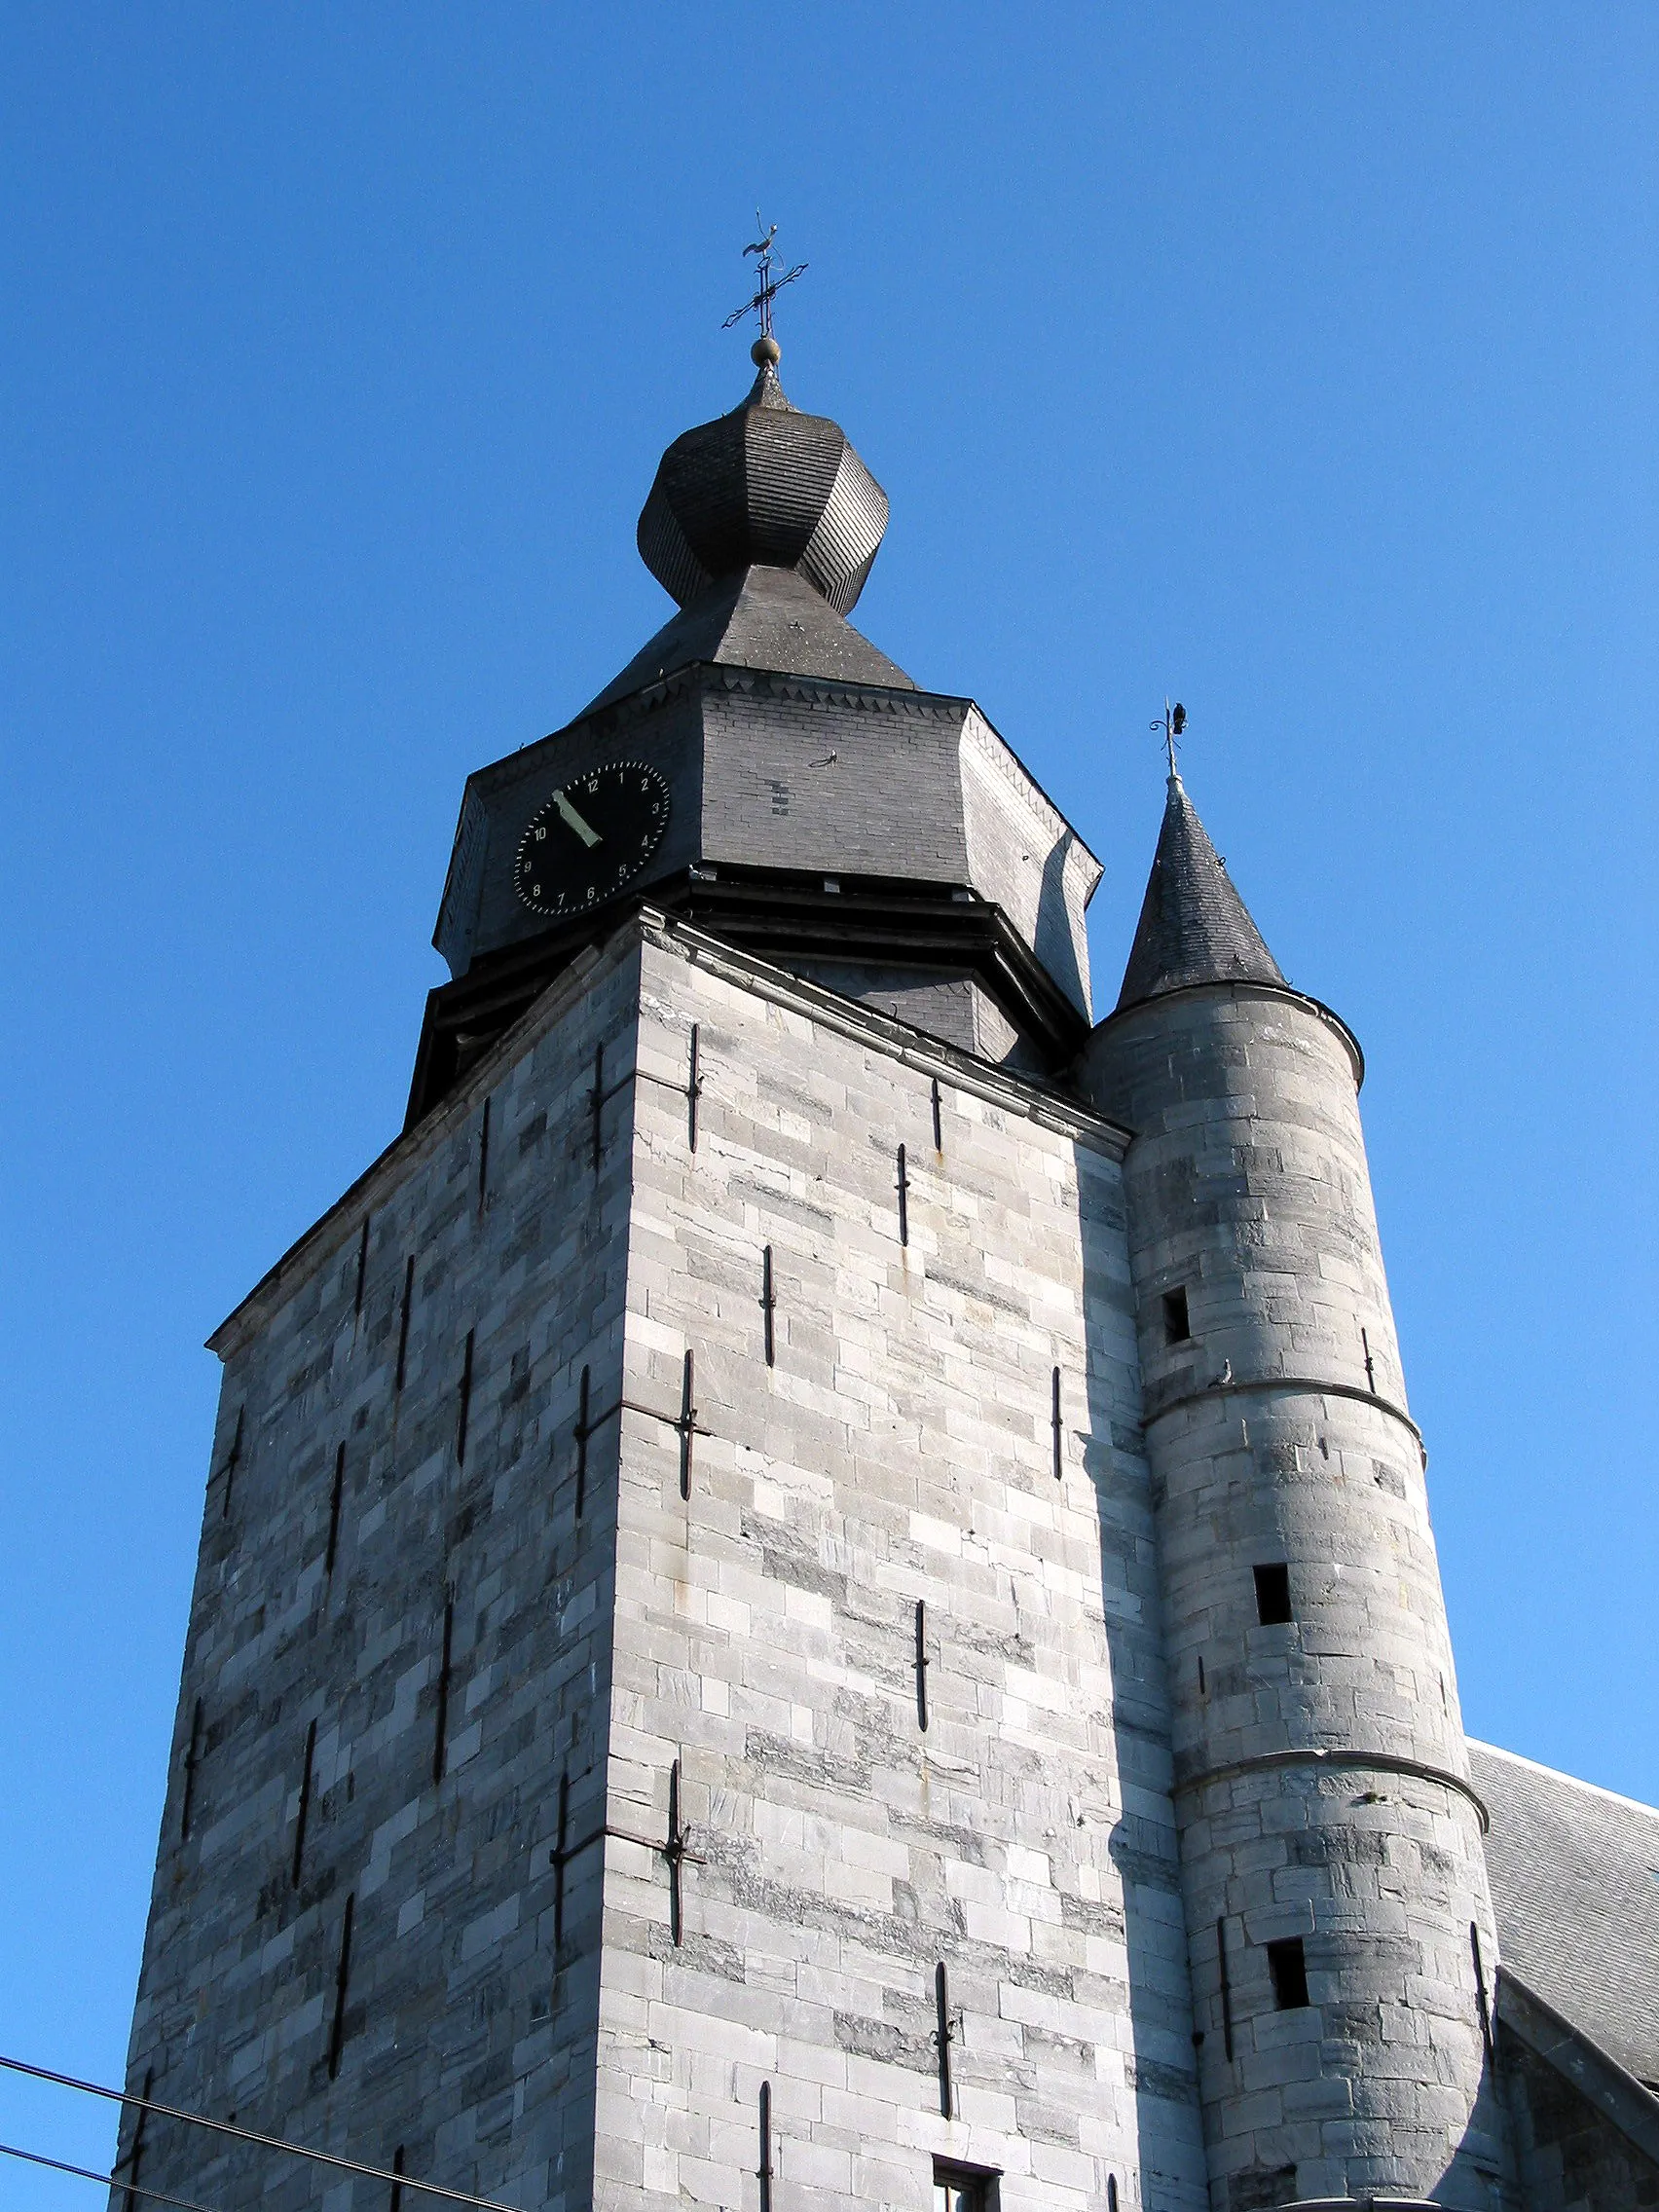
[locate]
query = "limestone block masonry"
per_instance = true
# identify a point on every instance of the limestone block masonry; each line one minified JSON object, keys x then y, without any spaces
{"x":1321,"y":1779}
{"x":399,"y":1649}
{"x":890,"y":1476}
{"x":555,"y":1768}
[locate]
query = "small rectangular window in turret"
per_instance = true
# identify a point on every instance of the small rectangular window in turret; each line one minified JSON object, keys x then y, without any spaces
{"x":1177,"y":1324}
{"x":1289,"y":1970}
{"x":1273,"y":1595}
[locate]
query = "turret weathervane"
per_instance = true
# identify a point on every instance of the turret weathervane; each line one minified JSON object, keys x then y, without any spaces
{"x":1172,"y":722}
{"x":765,"y":346}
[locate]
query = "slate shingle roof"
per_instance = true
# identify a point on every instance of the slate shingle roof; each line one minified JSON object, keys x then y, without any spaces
{"x":763,"y":525}
{"x":759,"y":619}
{"x":1194,"y":927}
{"x":1574,"y":1874}
{"x":764,"y":484}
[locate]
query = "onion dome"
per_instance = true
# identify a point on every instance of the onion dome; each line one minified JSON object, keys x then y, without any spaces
{"x":1194,"y":927}
{"x":765,"y":486}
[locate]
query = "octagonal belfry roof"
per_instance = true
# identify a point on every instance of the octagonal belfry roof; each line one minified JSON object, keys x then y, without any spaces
{"x":765,"y":486}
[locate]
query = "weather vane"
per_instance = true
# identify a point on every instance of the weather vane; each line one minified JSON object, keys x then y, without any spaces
{"x":765,"y":346}
{"x":1172,"y":722}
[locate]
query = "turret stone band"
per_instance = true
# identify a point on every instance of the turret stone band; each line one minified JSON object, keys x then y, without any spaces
{"x":1294,"y":1383}
{"x":1386,"y":1762}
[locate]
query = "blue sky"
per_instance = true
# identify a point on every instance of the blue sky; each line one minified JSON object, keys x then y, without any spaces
{"x":1297,"y":360}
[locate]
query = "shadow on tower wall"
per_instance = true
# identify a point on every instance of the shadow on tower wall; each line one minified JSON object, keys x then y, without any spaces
{"x":1160,"y":2066}
{"x":1052,"y":937}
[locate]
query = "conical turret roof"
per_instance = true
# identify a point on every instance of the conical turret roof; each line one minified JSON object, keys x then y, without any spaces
{"x":1194,"y":927}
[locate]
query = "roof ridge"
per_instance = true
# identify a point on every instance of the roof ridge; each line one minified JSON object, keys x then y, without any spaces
{"x":1560,"y":1774}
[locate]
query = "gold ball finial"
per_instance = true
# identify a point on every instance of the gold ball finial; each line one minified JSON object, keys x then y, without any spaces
{"x":765,"y":352}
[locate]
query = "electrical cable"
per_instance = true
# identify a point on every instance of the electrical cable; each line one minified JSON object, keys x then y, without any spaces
{"x":247,"y":2135}
{"x":104,"y":2181}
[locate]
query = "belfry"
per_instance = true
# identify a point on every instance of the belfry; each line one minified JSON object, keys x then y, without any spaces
{"x":817,"y":1591}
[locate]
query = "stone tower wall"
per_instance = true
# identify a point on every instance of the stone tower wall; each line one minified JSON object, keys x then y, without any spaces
{"x":900,"y":1448}
{"x":468,"y":2034}
{"x":1277,"y":1436}
{"x":761,"y":1632}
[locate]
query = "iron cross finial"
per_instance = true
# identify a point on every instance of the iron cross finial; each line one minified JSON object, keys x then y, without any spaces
{"x":765,"y":346}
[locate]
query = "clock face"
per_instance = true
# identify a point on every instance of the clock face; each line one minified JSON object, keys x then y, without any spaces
{"x":590,"y":839}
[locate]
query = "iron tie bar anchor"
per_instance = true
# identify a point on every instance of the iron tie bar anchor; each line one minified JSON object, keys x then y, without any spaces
{"x":674,"y":1850}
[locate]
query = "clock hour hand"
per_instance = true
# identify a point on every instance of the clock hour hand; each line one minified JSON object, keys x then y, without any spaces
{"x":569,"y":815}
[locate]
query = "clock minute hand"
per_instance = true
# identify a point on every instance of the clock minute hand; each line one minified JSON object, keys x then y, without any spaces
{"x":573,"y":819}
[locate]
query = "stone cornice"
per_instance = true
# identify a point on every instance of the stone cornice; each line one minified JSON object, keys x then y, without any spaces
{"x":1035,"y":1101}
{"x":1028,"y":1097}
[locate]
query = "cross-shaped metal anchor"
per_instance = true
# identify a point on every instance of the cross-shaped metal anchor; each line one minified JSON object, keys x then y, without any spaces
{"x":673,"y":1851}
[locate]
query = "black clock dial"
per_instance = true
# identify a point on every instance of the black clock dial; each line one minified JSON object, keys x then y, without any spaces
{"x":590,"y":839}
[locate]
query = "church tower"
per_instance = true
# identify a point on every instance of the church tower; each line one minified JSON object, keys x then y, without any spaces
{"x":673,"y":1712}
{"x":1339,"y":1922}
{"x":816,"y":1591}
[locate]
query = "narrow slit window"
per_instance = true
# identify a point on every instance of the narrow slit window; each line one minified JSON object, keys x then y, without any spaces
{"x":1272,"y":1594}
{"x":1288,"y":1966}
{"x":1177,"y":1322}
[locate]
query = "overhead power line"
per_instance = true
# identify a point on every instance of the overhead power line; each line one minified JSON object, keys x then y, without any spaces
{"x":247,"y":2135}
{"x":104,"y":2181}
